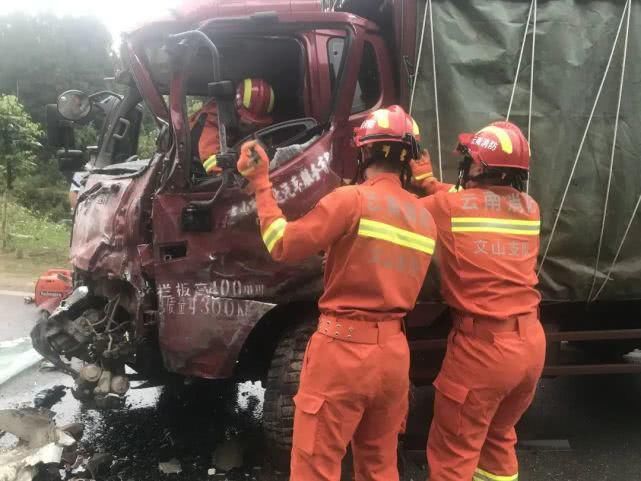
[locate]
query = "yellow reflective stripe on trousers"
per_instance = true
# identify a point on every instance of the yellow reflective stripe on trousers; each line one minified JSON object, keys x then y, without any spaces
{"x":481,"y":475}
{"x":379,"y":230}
{"x":499,"y":226}
{"x":274,"y":233}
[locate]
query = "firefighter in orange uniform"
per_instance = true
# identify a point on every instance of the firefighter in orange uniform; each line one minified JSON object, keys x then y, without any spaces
{"x":488,"y":245}
{"x":379,"y":241}
{"x":254,"y":104}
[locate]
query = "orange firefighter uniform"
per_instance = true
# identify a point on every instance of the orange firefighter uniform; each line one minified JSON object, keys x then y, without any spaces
{"x":254,"y":102}
{"x":488,"y":246}
{"x":355,"y":376}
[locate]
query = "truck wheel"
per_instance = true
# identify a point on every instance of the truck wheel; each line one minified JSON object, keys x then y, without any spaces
{"x":282,"y":384}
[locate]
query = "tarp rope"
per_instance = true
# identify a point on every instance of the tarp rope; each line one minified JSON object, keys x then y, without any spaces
{"x":428,"y":9}
{"x":616,"y":256}
{"x":585,"y":134}
{"x":418,"y":59}
{"x":607,"y":192}
{"x":518,"y":65}
{"x":529,"y":115}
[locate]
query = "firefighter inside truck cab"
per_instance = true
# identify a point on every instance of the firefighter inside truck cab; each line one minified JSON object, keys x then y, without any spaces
{"x":488,"y":230}
{"x":379,"y":241}
{"x":254,"y":104}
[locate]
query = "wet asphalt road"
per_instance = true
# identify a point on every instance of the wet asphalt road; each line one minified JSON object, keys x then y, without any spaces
{"x":583,"y":428}
{"x":16,"y":317}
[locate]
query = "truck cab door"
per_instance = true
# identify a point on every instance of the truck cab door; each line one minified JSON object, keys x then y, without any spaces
{"x":368,"y":84}
{"x":214,"y":277}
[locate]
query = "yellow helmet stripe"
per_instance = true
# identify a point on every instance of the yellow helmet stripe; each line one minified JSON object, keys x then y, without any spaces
{"x":382,"y":118}
{"x":272,"y":98}
{"x":415,"y":129}
{"x":247,"y":92}
{"x":427,"y":175}
{"x":502,"y":135}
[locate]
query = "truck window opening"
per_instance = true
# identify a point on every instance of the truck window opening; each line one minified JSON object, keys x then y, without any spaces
{"x":368,"y":86}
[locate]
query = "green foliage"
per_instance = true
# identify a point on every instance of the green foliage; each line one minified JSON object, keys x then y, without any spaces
{"x":45,"y":55}
{"x":147,"y":142}
{"x":194,"y":104}
{"x":34,"y":235}
{"x":86,"y":135}
{"x":44,"y":191}
{"x":19,"y":140}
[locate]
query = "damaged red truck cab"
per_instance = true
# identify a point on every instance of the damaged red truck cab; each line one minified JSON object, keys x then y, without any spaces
{"x":170,"y":272}
{"x":171,"y":277}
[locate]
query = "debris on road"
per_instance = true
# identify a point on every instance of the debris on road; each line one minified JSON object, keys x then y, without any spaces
{"x":170,"y":467}
{"x":40,"y":449}
{"x":48,"y":397}
{"x":75,"y":430}
{"x":99,"y":465}
{"x":633,"y":357}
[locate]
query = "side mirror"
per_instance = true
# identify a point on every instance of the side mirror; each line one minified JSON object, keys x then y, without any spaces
{"x":74,"y":105}
{"x":60,"y":134}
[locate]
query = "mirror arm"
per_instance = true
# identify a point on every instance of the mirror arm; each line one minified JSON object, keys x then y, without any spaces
{"x":104,"y":92}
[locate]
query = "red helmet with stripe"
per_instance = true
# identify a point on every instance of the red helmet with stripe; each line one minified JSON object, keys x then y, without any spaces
{"x":255,"y":101}
{"x":391,"y":124}
{"x":500,"y":144}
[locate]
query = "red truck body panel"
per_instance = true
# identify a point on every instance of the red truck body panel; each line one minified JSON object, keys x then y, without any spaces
{"x":212,"y":288}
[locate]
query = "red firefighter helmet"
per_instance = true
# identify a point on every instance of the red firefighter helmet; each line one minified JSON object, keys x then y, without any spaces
{"x":255,"y":101}
{"x":391,"y":124}
{"x":500,"y":144}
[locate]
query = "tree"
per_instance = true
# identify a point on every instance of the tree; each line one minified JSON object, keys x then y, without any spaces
{"x":45,"y":55}
{"x":19,"y":140}
{"x":42,"y":56}
{"x":19,"y":143}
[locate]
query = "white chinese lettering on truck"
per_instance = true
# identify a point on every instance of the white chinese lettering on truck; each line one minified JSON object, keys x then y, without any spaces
{"x":218,"y":298}
{"x":286,"y":190}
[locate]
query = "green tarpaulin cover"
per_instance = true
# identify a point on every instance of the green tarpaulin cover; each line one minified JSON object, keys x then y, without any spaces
{"x":477,"y":45}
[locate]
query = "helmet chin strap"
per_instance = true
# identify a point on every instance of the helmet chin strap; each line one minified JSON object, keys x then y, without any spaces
{"x":405,"y":174}
{"x":361,"y":165}
{"x":464,"y":171}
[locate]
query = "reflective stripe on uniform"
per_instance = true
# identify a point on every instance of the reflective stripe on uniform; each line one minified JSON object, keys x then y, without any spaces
{"x":274,"y":233}
{"x":454,"y":189}
{"x":423,"y":176}
{"x":500,"y":226}
{"x":395,"y":235}
{"x":481,"y":475}
{"x":210,"y":163}
{"x":247,"y":93}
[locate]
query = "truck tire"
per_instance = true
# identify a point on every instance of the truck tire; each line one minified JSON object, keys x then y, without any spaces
{"x":282,"y":384}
